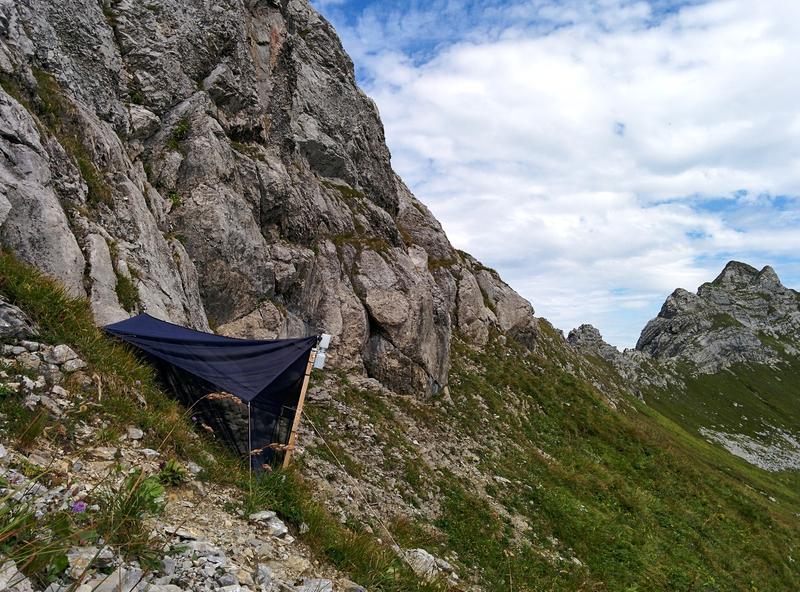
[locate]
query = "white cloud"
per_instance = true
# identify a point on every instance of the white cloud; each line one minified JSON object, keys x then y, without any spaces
{"x":577,"y":147}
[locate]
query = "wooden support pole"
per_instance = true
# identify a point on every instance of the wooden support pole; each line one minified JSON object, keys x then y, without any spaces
{"x":299,"y":412}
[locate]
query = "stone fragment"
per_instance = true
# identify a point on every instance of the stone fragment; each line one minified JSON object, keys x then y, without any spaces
{"x":276,"y":528}
{"x":422,"y":563}
{"x":263,"y":575}
{"x":103,"y":453}
{"x":13,"y":580}
{"x":349,"y":586}
{"x":315,"y":585}
{"x":60,"y":354}
{"x":29,"y":361}
{"x":262,"y":516}
{"x":135,"y":433}
{"x":80,"y":558}
{"x":123,"y":579}
{"x":14,"y":324}
{"x":71,"y":366}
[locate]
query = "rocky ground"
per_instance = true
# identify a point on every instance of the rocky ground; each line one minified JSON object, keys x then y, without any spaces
{"x":207,"y":544}
{"x":204,"y":540}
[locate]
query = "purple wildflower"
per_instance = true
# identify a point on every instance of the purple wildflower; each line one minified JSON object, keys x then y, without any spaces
{"x":79,"y":507}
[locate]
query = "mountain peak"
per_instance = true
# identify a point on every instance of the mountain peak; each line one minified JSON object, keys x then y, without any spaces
{"x":737,"y":274}
{"x":725,"y":322}
{"x":736,"y":269}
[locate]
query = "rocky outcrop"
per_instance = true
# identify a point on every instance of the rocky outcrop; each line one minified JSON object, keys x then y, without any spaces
{"x":743,"y":316}
{"x":14,"y":324}
{"x":217,"y":165}
{"x":637,"y":369}
{"x":587,"y":339}
{"x":703,"y":350}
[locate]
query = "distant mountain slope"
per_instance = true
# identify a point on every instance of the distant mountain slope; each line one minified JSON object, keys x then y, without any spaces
{"x":724,"y":362}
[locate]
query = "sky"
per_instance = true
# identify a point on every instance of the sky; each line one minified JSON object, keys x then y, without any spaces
{"x":600,"y":153}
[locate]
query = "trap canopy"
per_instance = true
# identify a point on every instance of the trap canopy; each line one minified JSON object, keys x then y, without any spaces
{"x":265,"y":378}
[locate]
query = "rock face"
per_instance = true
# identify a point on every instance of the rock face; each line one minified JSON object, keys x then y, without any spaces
{"x":738,"y":317}
{"x":587,"y":338}
{"x":635,"y":367}
{"x":743,"y":316}
{"x":215,"y":164}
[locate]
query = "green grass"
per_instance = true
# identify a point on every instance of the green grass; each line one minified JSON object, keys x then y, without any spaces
{"x":360,"y":241}
{"x":347,"y":192}
{"x":127,"y":293}
{"x":434,"y":264}
{"x":615,"y":500}
{"x":179,"y":135}
{"x":251,"y":150}
{"x":723,"y":320}
{"x":639,"y":501}
{"x":126,"y":381}
{"x":38,"y":544}
{"x":751,"y":400}
{"x":370,"y":563}
{"x":175,"y":198}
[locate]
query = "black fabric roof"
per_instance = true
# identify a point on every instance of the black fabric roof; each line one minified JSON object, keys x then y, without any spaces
{"x":250,"y":369}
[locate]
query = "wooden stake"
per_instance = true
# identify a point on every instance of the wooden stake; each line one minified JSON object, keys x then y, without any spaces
{"x":293,"y":435}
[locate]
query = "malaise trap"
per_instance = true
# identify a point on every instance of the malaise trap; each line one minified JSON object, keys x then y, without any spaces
{"x":248,"y":392}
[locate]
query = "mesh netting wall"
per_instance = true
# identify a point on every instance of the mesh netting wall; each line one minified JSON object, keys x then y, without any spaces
{"x":227,"y":419}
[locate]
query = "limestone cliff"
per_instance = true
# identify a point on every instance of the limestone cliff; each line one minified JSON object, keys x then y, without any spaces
{"x":216,"y":165}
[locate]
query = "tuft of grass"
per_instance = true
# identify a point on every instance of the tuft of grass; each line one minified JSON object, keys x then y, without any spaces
{"x":251,"y":150}
{"x":127,"y":293}
{"x":136,"y":96}
{"x":172,"y":473}
{"x":121,"y":521}
{"x":175,"y":198}
{"x":360,"y":241}
{"x":434,"y":263}
{"x":347,"y":192}
{"x":179,"y":134}
{"x":39,"y":543}
{"x":723,"y":320}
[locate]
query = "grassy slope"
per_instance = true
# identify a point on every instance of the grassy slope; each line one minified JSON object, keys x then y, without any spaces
{"x":765,"y":397}
{"x":125,"y":381}
{"x":640,"y":502}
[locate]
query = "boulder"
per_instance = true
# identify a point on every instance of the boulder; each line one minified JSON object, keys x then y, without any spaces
{"x":15,"y":324}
